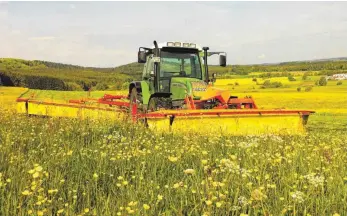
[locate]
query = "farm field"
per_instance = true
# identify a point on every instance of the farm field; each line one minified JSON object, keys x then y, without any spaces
{"x":51,"y":166}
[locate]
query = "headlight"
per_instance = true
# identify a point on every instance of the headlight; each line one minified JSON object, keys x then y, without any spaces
{"x":170,"y":44}
{"x":177,"y":44}
{"x":185,"y":44}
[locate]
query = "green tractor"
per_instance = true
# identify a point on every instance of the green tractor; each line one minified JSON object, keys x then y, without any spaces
{"x":172,"y":71}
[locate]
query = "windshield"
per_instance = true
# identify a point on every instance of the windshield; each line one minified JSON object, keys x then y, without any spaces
{"x":176,"y":64}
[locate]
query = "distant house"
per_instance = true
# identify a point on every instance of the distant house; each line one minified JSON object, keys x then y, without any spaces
{"x":339,"y":77}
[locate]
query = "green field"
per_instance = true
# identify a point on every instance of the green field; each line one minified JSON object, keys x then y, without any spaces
{"x":52,"y":166}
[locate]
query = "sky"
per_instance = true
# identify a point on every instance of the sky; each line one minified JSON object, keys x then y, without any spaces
{"x":108,"y":34}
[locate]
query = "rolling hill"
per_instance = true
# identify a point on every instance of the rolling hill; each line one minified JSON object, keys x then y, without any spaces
{"x":38,"y":74}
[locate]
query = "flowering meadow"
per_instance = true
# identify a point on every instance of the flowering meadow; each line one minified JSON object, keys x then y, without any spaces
{"x":62,"y":166}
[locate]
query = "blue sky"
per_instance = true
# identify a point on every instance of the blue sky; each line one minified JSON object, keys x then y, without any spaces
{"x":104,"y":34}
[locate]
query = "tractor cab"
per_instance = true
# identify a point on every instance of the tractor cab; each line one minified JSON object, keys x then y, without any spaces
{"x":176,"y":69}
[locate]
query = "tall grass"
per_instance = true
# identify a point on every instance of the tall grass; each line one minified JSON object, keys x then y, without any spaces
{"x":54,"y":166}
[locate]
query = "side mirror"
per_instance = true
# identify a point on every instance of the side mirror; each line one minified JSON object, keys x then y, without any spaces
{"x":222,"y":60}
{"x":141,"y":57}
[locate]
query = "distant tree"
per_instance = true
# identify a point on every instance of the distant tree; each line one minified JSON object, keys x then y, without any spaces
{"x":305,"y":76}
{"x":322,"y":81}
{"x":338,"y":83}
{"x":298,"y":89}
{"x":291,"y":78}
{"x":101,"y":86}
{"x":308,"y":88}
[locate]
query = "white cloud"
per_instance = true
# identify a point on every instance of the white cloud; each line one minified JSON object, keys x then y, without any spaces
{"x":42,"y":38}
{"x":262,"y":56}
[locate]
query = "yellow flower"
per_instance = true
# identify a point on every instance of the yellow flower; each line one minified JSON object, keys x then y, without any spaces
{"x":26,"y":193}
{"x":172,"y":159}
{"x":8,"y":180}
{"x":336,"y":214}
{"x":52,"y":191}
{"x":86,"y":210}
{"x":218,"y":204}
{"x":176,"y":185}
{"x":30,"y":211}
{"x":31,"y":171}
{"x":60,"y":211}
{"x":146,"y":207}
{"x":243,"y":214}
{"x":208,"y":202}
{"x":95,"y":176}
{"x":204,"y":162}
{"x":40,"y":213}
{"x":189,"y":171}
{"x":36,"y":174}
{"x":69,"y":152}
{"x":125,"y":182}
{"x":38,"y":168}
{"x":160,"y":197}
{"x":120,"y":178}
{"x":258,"y":195}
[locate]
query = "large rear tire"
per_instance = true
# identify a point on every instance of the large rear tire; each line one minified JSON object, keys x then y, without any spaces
{"x":136,"y":98}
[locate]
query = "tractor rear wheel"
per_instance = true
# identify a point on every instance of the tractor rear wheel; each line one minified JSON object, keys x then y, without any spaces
{"x":135,"y":98}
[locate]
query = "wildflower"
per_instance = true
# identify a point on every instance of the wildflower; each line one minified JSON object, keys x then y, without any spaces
{"x":60,"y":211}
{"x":125,"y":182}
{"x":146,"y":207}
{"x":243,"y":214}
{"x":218,"y":204}
{"x":281,"y":198}
{"x":26,"y":193}
{"x":298,"y":196}
{"x":52,"y":191}
{"x":208,"y":202}
{"x":95,"y":176}
{"x":30,"y":211}
{"x":172,"y":159}
{"x":8,"y":180}
{"x":38,"y":168}
{"x":258,"y":195}
{"x":40,"y":213}
{"x":120,"y":178}
{"x":204,"y":162}
{"x":36,"y":175}
{"x":86,"y":210}
{"x":336,"y":214}
{"x":69,"y":153}
{"x":119,"y":213}
{"x":189,"y":171}
{"x":160,"y":197}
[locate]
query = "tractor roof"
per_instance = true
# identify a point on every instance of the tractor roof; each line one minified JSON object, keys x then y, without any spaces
{"x":179,"y":45}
